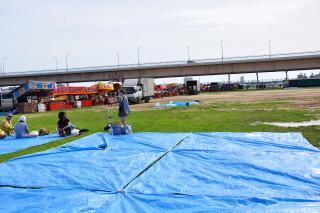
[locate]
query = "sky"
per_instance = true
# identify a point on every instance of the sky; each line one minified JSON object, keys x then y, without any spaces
{"x":35,"y":34}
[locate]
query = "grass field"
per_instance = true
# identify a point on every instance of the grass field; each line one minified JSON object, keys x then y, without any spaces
{"x":220,"y":116}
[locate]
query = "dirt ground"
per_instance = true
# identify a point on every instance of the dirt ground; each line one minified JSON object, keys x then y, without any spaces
{"x":303,"y":99}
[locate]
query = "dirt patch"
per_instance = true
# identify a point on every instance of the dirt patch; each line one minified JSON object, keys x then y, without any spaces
{"x":291,"y":124}
{"x":301,"y":99}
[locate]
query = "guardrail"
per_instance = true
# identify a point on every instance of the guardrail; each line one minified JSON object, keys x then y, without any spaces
{"x":173,"y":63}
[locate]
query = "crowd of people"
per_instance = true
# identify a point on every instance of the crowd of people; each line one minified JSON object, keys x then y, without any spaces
{"x":21,"y":130}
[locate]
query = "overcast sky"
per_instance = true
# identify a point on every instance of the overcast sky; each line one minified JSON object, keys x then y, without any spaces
{"x":34,"y":32}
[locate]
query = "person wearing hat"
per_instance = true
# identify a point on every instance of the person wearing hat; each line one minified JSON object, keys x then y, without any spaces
{"x":21,"y":129}
{"x":6,"y":125}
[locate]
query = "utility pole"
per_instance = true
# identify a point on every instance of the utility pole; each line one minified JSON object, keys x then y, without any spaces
{"x":222,"y":50}
{"x":270,"y":48}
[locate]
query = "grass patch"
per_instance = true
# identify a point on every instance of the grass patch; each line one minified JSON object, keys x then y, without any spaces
{"x":196,"y":118}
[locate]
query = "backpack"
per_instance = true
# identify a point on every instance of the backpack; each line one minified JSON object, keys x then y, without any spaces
{"x":43,"y":131}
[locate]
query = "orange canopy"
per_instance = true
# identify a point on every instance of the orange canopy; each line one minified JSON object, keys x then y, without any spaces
{"x":104,"y":87}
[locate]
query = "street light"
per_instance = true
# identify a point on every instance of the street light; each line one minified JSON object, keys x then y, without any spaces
{"x":56,"y":63}
{"x":118,"y":58}
{"x":188,"y":54}
{"x":270,"y":48}
{"x":139,"y":56}
{"x":3,"y":64}
{"x":67,"y":60}
{"x":222,"y":50}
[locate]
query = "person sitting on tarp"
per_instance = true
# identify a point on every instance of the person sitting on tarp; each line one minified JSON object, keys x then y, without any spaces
{"x":2,"y":134}
{"x":21,"y":129}
{"x":124,"y":110}
{"x":63,"y":125}
{"x":6,"y":125}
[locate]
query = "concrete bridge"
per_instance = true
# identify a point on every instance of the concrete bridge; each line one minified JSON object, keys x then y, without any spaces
{"x":218,"y":66}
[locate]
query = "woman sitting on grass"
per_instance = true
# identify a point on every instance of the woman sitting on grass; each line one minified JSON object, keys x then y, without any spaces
{"x":63,"y":125}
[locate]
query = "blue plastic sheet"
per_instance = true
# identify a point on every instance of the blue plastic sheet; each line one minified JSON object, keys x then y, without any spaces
{"x":6,"y":113}
{"x":174,"y":104}
{"x":13,"y":144}
{"x":180,"y":172}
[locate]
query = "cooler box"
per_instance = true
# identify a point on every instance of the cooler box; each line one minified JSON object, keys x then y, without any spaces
{"x":117,"y":129}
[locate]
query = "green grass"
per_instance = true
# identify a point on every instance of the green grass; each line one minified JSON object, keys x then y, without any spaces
{"x":263,"y":105}
{"x":218,"y":117}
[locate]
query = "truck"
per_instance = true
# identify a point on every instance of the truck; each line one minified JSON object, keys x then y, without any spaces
{"x":139,"y":90}
{"x":7,"y":102}
{"x":193,"y":87}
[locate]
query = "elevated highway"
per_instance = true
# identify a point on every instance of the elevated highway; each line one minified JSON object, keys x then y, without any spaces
{"x":218,"y":66}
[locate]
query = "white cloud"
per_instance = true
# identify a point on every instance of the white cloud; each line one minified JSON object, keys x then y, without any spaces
{"x":241,"y":14}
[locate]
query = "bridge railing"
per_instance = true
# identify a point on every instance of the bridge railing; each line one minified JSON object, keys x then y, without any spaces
{"x":173,"y":63}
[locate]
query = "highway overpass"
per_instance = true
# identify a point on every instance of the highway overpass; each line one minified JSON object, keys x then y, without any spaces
{"x":218,"y":66}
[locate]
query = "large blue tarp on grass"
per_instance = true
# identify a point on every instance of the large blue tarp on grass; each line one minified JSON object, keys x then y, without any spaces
{"x":13,"y":144}
{"x":152,"y":172}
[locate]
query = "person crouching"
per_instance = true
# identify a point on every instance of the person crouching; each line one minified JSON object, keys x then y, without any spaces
{"x":63,"y":125}
{"x":21,"y":129}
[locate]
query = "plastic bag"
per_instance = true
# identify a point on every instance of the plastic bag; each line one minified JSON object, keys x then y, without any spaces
{"x":75,"y":131}
{"x":35,"y":133}
{"x":127,"y":130}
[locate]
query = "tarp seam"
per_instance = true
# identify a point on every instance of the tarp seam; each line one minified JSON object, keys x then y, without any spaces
{"x":154,"y":162}
{"x":46,"y":187}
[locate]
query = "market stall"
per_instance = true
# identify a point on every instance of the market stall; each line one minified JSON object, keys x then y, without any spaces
{"x":172,"y":89}
{"x":27,"y":96}
{"x":159,"y":90}
{"x":101,"y":96}
{"x":71,"y":101}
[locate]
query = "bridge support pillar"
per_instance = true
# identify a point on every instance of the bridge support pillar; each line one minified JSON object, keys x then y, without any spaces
{"x":287,"y":82}
{"x":229,"y":78}
{"x":257,"y":80}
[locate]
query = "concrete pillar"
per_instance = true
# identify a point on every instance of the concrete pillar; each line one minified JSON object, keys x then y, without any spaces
{"x":257,"y":79}
{"x":229,"y":78}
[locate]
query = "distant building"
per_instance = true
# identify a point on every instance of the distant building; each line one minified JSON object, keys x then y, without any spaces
{"x":242,"y":79}
{"x":300,"y":76}
{"x":317,"y":75}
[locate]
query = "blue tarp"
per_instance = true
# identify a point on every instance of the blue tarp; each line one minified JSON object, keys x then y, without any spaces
{"x":174,"y":104}
{"x":13,"y":144}
{"x":6,"y":113}
{"x":152,"y":172}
